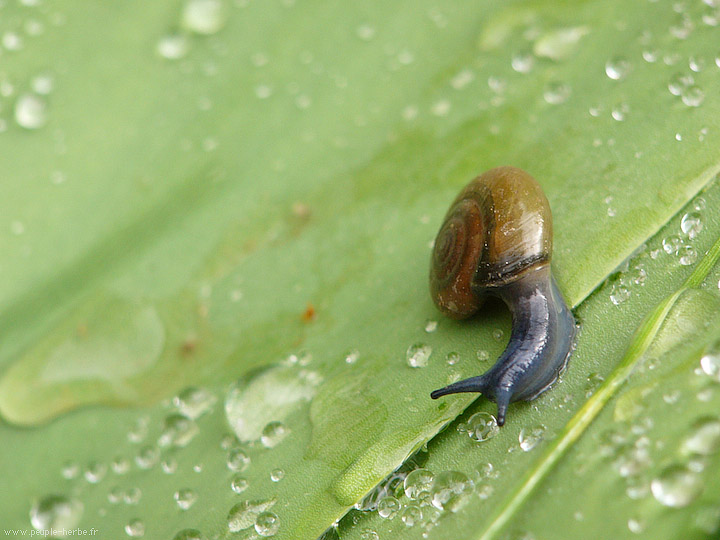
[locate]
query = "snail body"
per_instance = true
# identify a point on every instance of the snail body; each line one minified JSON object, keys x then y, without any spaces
{"x":496,"y":240}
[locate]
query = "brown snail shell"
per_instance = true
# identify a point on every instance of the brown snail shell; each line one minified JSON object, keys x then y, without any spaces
{"x":496,"y":239}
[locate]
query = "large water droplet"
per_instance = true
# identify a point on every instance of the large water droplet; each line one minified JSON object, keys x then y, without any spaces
{"x":482,"y":426}
{"x":451,"y":491}
{"x":418,"y":355}
{"x":267,"y":524}
{"x":418,"y":482}
{"x":267,"y":395}
{"x":676,"y":486}
{"x":388,"y":507}
{"x":55,"y":512}
{"x":411,"y":515}
{"x":530,"y":438}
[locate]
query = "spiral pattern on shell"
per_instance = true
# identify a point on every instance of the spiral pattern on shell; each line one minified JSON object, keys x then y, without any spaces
{"x":458,"y":247}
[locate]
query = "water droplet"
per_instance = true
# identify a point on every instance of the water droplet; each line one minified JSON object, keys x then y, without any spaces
{"x":115,"y":495}
{"x":55,"y":512}
{"x":559,"y":44}
{"x":273,"y":434}
{"x":687,"y":255}
{"x":388,"y":507}
{"x":189,"y":534}
{"x":70,"y":470}
{"x":267,"y":524}
{"x":635,"y":525}
{"x":691,"y":224}
{"x":650,"y":55}
{"x":452,"y":358}
{"x":263,"y":91}
{"x":672,"y":244}
{"x":710,"y":361}
{"x":704,"y":437}
{"x":451,"y":491}
{"x":676,"y":486}
{"x":498,"y":334}
{"x":556,"y":93}
{"x":693,"y":96}
{"x":244,"y":514}
{"x":30,"y":111}
{"x":132,"y":496}
{"x":483,"y":355}
{"x":619,"y":293}
{"x":267,"y":395}
{"x":365,"y":32}
{"x":42,"y":84}
{"x":352,"y":356}
{"x":194,"y":402}
{"x":12,"y":41}
{"x":172,"y":46}
{"x":185,"y":498}
{"x":411,"y":515}
{"x":237,"y":460}
{"x":530,"y":438}
{"x":120,"y":465}
{"x":462,"y":79}
{"x":482,"y":426}
{"x":707,"y":519}
{"x":418,"y":355}
{"x":620,"y":111}
{"x":95,"y":472}
{"x":147,"y":457}
{"x":431,"y":326}
{"x":169,"y":466}
{"x":523,"y":62}
{"x":418,"y":482}
{"x":276,"y":475}
{"x":135,"y":528}
{"x":203,"y":16}
{"x":178,"y":431}
{"x":679,"y":83}
{"x":617,"y":68}
{"x":239,"y":484}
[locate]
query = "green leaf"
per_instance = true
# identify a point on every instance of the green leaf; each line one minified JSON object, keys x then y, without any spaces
{"x":197,"y":191}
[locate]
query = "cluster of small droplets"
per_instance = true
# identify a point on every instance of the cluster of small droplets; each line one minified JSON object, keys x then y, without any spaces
{"x":691,"y":225}
{"x":625,"y":282}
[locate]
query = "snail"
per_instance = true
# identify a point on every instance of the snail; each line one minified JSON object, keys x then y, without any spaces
{"x":497,"y":240}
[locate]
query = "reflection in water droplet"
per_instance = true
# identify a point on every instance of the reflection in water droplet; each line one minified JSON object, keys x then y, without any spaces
{"x":55,"y":512}
{"x":203,"y":16}
{"x":273,"y":434}
{"x":418,"y":482}
{"x":388,"y":507}
{"x":267,"y":524}
{"x":691,"y":224}
{"x":30,"y":111}
{"x":451,"y":491}
{"x":135,"y":528}
{"x":418,"y":355}
{"x":267,"y":395}
{"x":530,"y":438}
{"x":482,"y":426}
{"x":617,"y":68}
{"x":239,"y":484}
{"x":185,"y":498}
{"x":237,"y":460}
{"x":411,"y":515}
{"x":676,"y":486}
{"x":244,"y":514}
